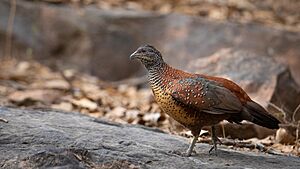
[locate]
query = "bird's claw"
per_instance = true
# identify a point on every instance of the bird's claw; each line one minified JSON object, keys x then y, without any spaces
{"x":183,"y":154}
{"x":177,"y":152}
{"x":186,"y":154}
{"x":214,"y":147}
{"x":210,"y":150}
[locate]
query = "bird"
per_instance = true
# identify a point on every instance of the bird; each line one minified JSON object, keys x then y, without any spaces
{"x":198,"y":100}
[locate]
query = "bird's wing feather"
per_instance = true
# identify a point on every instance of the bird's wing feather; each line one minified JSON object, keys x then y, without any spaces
{"x":206,"y":96}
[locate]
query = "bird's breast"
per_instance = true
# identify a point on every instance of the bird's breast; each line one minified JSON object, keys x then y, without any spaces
{"x":185,"y":116}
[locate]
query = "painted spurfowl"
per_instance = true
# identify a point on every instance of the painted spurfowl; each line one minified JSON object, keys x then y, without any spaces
{"x":197,"y":100}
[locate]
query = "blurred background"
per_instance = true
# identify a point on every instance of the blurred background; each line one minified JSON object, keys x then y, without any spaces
{"x":73,"y":55}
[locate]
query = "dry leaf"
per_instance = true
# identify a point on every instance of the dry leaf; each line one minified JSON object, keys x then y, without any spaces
{"x":131,"y":115}
{"x":85,"y":103}
{"x":117,"y":112}
{"x":52,"y":84}
{"x":45,"y":96}
{"x":66,"y":106}
{"x":152,"y":117}
{"x":284,"y":137}
{"x":57,"y":84}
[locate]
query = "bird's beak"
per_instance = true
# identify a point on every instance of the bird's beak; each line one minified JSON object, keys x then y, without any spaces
{"x":133,"y":56}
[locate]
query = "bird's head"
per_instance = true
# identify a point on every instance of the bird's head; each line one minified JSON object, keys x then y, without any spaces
{"x":148,"y":55}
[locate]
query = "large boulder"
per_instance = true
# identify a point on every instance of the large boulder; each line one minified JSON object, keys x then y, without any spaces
{"x":53,"y":139}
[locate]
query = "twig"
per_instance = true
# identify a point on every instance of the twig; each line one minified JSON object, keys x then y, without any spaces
{"x":297,"y":121}
{"x":297,"y":137}
{"x":10,"y":24}
{"x":295,"y":112}
{"x":244,"y":144}
{"x":276,"y":107}
{"x":4,"y":120}
{"x":281,"y":111}
{"x":223,"y":130}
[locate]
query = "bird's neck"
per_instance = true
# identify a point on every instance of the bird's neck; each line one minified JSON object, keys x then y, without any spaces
{"x":157,"y":75}
{"x":162,"y":75}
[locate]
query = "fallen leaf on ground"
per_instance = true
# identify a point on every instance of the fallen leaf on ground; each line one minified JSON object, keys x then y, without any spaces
{"x":66,"y":106}
{"x":152,"y":118}
{"x":85,"y":103}
{"x":40,"y":95}
{"x":57,"y":84}
{"x":117,"y":112}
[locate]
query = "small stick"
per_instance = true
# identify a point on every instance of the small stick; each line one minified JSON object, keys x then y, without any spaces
{"x":297,"y":137}
{"x":245,"y":144}
{"x":3,"y":120}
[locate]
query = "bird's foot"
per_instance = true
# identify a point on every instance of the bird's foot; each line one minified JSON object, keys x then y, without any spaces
{"x":214,"y":147}
{"x":177,"y":152}
{"x":183,"y":154}
{"x":188,"y":153}
{"x":214,"y":139}
{"x":3,"y":120}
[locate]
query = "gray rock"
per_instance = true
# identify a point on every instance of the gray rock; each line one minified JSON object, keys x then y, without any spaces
{"x":52,"y":139}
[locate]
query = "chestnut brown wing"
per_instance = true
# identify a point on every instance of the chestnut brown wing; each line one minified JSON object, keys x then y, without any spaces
{"x":205,"y":95}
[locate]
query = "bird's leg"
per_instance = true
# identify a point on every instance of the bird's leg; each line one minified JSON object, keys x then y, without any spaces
{"x":192,"y":145}
{"x":214,"y":139}
{"x":4,"y":120}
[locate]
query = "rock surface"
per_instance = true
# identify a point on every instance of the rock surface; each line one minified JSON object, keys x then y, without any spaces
{"x":99,"y":41}
{"x":47,"y":138}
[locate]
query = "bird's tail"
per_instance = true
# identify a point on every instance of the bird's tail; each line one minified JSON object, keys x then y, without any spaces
{"x":258,"y":115}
